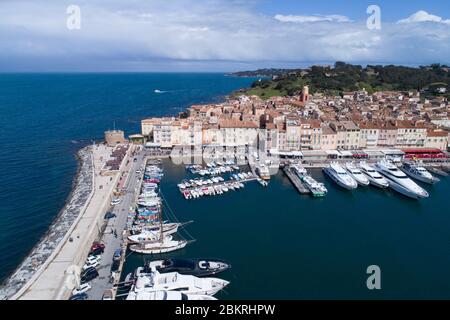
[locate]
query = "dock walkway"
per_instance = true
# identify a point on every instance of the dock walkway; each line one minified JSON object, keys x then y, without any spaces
{"x":296,"y":181}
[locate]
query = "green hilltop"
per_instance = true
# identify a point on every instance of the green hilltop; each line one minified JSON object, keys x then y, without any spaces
{"x":429,"y":80}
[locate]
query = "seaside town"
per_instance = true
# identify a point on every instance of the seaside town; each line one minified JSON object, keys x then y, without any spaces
{"x":309,"y":125}
{"x":118,"y":209}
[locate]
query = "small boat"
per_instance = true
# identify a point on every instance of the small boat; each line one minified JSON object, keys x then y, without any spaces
{"x":438,"y":171}
{"x":418,"y":172}
{"x":194,"y":267}
{"x":262,"y":182}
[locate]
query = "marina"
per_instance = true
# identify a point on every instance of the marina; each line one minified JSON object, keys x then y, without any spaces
{"x":306,"y":217}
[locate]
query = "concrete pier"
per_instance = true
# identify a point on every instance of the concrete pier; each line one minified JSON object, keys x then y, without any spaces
{"x":56,"y":277}
{"x":298,"y":184}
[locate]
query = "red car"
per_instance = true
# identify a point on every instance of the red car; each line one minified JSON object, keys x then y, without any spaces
{"x":97,"y":245}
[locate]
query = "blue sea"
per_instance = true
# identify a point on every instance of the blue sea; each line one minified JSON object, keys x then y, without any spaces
{"x":46,"y":118}
{"x":281,"y":245}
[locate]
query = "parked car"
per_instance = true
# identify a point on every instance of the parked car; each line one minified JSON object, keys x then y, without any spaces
{"x":79,"y":296}
{"x":97,"y":245}
{"x":115,"y":201}
{"x":117,"y":254}
{"x":92,"y":259}
{"x":83,"y":288}
{"x":107,"y":295}
{"x":96,"y":252}
{"x":110,"y":215}
{"x":91,"y":265}
{"x":89,"y":275}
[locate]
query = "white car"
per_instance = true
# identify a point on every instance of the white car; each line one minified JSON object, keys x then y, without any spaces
{"x":81,"y":289}
{"x":90,"y":265}
{"x":115,"y":202}
{"x":93,"y":259}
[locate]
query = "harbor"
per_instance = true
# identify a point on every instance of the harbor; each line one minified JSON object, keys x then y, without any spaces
{"x":318,"y":224}
{"x":135,"y":217}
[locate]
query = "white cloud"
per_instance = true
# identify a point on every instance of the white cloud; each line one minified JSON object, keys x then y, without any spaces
{"x":423,"y":16}
{"x":153,"y":34}
{"x":311,"y":18}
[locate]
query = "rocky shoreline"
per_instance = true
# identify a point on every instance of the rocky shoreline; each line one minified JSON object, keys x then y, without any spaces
{"x":81,"y":191}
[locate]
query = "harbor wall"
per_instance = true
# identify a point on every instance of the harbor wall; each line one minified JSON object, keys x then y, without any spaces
{"x":95,"y":229}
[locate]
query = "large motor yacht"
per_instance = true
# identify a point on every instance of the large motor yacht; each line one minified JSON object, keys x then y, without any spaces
{"x":340,"y":176}
{"x":356,"y":174}
{"x":374,"y":177}
{"x":399,"y":181}
{"x":418,"y":172}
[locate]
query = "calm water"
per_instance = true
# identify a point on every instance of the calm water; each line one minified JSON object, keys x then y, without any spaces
{"x":46,"y":118}
{"x":285,"y":246}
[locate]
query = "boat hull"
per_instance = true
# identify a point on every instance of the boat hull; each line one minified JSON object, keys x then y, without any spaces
{"x":375,"y":183}
{"x":420,"y":178}
{"x":158,"y":249}
{"x":337,"y":181}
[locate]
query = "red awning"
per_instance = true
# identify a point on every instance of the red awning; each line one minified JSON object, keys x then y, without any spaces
{"x":421,"y":150}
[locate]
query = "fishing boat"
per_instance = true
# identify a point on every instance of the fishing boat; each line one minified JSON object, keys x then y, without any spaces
{"x":418,"y":172}
{"x":194,"y":267}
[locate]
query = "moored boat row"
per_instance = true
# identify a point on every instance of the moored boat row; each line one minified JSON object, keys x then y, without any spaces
{"x":382,"y":175}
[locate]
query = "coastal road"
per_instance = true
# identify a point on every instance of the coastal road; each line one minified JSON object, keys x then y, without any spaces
{"x":111,"y":241}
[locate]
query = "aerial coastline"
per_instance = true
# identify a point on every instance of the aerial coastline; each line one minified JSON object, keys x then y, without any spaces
{"x":310,"y":130}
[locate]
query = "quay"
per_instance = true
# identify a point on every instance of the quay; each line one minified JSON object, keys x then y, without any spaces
{"x":296,"y":181}
{"x":58,"y":275}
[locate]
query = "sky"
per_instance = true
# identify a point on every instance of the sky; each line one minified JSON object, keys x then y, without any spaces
{"x":217,"y":35}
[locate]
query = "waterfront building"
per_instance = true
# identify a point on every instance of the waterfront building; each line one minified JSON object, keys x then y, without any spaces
{"x":437,"y":139}
{"x":369,"y":135}
{"x":329,"y":138}
{"x":348,"y":135}
{"x":410,"y":134}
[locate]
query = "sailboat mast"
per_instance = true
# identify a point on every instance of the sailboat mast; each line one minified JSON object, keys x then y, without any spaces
{"x":161,"y":225}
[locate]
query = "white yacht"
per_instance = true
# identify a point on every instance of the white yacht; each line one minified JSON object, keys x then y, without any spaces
{"x":167,"y":244}
{"x":340,"y":176}
{"x":374,"y":177}
{"x":263,"y":172}
{"x":356,"y":174}
{"x":187,"y":284}
{"x":166,"y":295}
{"x":419,"y":173}
{"x":152,"y":234}
{"x":146,"y":202}
{"x":399,"y":181}
{"x":317,"y":189}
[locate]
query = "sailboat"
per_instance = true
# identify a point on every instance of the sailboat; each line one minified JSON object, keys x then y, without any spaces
{"x":151,"y":243}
